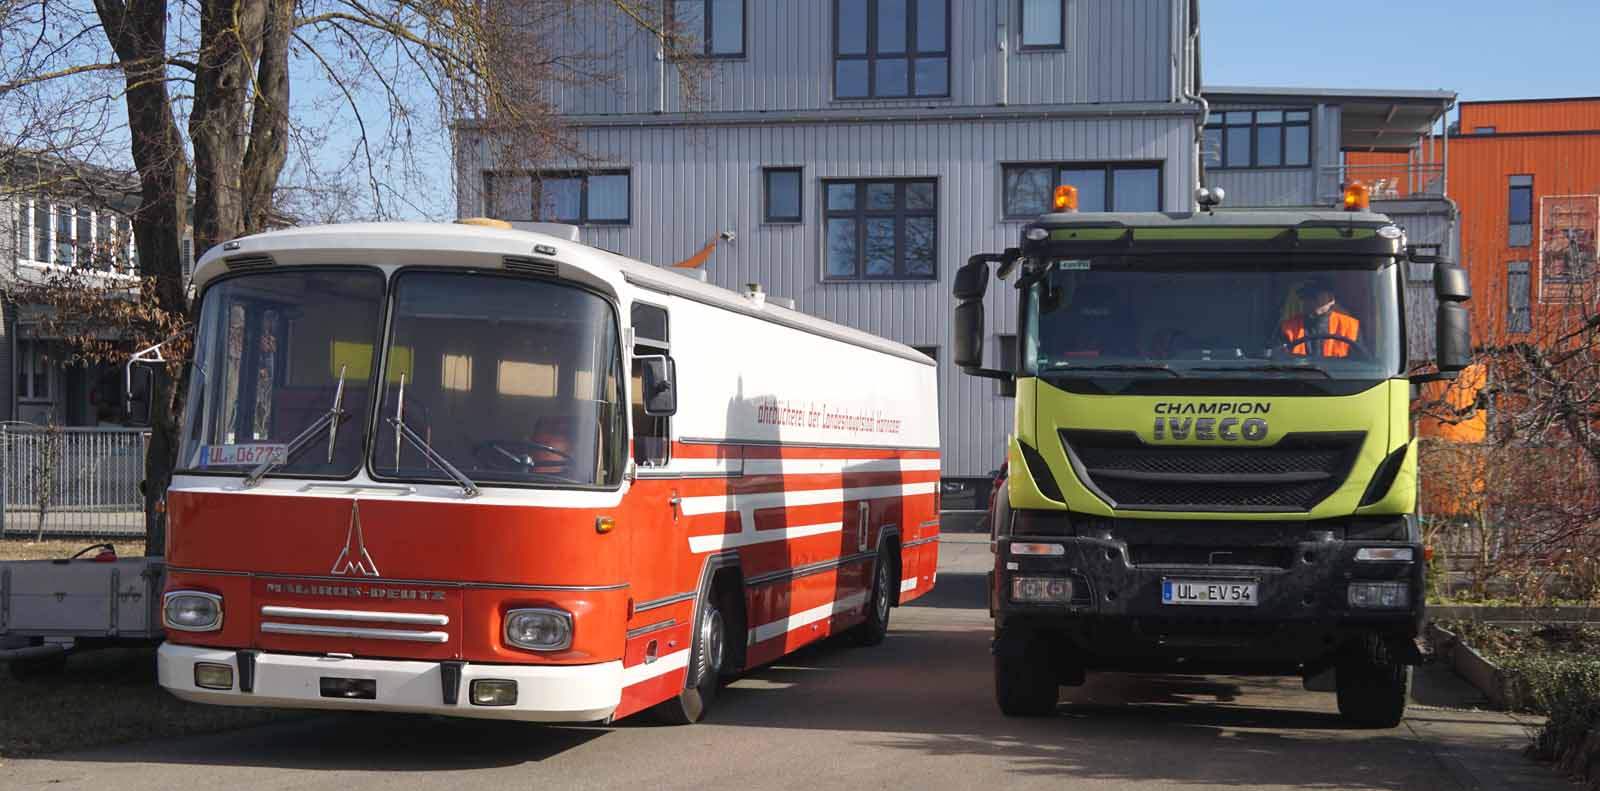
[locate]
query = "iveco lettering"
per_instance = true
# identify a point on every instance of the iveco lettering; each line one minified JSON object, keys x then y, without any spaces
{"x":1211,"y":469}
{"x":477,"y":470}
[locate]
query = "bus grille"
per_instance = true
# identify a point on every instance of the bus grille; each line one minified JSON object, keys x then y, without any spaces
{"x":1293,"y":475}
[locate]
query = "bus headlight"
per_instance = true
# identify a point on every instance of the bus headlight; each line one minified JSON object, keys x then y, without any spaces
{"x":539,"y":629}
{"x":191,"y":611}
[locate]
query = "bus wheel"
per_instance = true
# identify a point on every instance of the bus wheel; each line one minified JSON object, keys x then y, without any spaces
{"x":1025,"y":684}
{"x":1372,"y":688}
{"x":876,"y":627}
{"x":706,"y":666}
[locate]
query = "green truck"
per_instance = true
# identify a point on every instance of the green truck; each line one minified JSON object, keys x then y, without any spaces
{"x":1211,"y":468}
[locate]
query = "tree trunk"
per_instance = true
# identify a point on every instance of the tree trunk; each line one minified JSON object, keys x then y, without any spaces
{"x":138,"y":34}
{"x":269,"y":118}
{"x":231,"y":36}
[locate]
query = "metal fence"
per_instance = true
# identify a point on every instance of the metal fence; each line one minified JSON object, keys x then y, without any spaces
{"x":1399,"y":181}
{"x":71,"y":482}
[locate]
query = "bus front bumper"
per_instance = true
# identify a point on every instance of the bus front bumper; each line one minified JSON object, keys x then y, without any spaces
{"x":544,"y":693}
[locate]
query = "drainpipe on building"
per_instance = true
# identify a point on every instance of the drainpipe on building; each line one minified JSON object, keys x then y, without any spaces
{"x":1002,"y":32}
{"x":1191,"y":55}
{"x":661,"y":77}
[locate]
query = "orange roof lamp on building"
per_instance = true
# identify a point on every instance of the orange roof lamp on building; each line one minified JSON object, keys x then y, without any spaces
{"x":1321,"y":328}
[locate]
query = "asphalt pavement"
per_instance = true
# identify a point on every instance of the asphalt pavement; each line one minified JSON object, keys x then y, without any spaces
{"x":916,"y":712}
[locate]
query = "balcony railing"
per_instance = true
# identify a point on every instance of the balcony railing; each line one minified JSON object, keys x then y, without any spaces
{"x":1401,"y":181}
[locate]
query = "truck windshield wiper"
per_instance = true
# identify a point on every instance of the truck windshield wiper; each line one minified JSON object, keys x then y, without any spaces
{"x":1166,"y":369}
{"x":401,"y":430}
{"x":1275,"y":368}
{"x":329,"y":420}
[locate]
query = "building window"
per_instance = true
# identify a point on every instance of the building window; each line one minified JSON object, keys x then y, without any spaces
{"x":41,"y":232}
{"x":1519,"y":230}
{"x":1259,"y":139}
{"x":782,"y":187}
{"x":881,"y":230}
{"x":1028,"y":188}
{"x":33,"y":371}
{"x":715,"y":28}
{"x":891,"y":49}
{"x":598,"y":198}
{"x":1519,"y":290}
{"x":1483,"y":130}
{"x":1044,"y":24}
{"x":64,"y":247}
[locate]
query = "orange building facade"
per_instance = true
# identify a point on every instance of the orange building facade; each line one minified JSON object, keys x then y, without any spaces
{"x":1525,"y":175}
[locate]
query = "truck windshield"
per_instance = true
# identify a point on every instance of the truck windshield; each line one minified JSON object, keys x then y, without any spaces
{"x":1175,"y":317}
{"x":269,"y":355}
{"x":510,"y":380}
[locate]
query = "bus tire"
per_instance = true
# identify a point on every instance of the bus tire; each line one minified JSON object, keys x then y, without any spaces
{"x":1372,"y":688}
{"x":709,"y":663}
{"x":879,"y":600}
{"x":1025,"y":684}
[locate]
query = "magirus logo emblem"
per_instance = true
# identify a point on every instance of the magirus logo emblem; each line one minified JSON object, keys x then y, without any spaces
{"x":353,"y":559}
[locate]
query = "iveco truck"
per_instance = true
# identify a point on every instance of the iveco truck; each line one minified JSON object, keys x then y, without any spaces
{"x":1211,"y":468}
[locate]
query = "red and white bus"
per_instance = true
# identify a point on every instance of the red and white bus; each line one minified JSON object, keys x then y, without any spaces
{"x":486,"y":472}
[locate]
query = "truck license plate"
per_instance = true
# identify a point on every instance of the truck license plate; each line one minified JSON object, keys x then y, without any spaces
{"x":1236,"y":594}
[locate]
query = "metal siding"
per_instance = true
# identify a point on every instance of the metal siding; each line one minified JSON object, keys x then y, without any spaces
{"x":691,"y":183}
{"x":1116,"y":51}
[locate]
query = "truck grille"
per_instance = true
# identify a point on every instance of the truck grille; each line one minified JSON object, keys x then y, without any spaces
{"x":1293,"y":475}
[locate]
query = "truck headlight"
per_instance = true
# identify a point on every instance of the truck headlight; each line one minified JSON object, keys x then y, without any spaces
{"x":539,"y":629}
{"x":1380,"y":595}
{"x":1041,"y":590}
{"x":191,"y":611}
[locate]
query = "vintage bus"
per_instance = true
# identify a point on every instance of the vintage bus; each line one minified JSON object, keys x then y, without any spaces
{"x":488,"y":472}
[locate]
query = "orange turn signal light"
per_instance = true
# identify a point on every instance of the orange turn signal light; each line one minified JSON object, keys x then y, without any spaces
{"x":1357,"y":197}
{"x":1066,"y":198}
{"x":604,"y":524}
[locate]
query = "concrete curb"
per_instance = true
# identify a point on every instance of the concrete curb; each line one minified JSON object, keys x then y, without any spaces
{"x":1473,"y":667}
{"x":1485,"y":614}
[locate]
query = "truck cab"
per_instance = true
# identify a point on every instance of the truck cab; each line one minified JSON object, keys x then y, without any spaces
{"x":1211,"y":468}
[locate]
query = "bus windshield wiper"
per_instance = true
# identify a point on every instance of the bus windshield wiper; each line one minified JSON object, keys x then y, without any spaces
{"x":1166,"y":369}
{"x":329,"y":420}
{"x":401,"y":430}
{"x":1275,"y":368}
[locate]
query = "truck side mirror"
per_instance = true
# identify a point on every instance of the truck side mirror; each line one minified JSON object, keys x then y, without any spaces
{"x":968,"y":352}
{"x":140,"y":386}
{"x":972,"y":279}
{"x":1452,"y":321}
{"x":658,"y":375}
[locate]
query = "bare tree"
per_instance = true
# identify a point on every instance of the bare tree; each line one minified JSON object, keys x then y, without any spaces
{"x":196,"y":96}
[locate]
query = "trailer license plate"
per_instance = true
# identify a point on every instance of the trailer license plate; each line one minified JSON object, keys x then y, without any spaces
{"x":1236,"y":594}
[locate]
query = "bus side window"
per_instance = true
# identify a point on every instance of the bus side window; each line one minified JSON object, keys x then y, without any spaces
{"x":652,"y":435}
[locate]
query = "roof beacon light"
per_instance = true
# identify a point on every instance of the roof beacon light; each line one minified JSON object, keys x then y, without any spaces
{"x":1066,"y":198}
{"x":1357,"y":196}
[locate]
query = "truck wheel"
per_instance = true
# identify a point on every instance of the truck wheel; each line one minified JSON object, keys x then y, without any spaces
{"x":1373,"y":689}
{"x":1025,"y":685}
{"x":706,"y":665}
{"x":876,"y":626}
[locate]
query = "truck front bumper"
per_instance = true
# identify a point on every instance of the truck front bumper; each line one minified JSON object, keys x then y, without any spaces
{"x":545,"y":693}
{"x":1117,"y":618}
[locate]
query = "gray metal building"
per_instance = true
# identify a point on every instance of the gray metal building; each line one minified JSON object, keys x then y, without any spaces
{"x":857,"y":151}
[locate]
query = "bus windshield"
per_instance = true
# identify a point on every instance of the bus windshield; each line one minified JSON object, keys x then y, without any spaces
{"x":1214,"y":317}
{"x":271,"y":352}
{"x":510,"y":380}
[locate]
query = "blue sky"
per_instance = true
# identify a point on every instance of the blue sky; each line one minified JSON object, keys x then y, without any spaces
{"x":1481,"y":49}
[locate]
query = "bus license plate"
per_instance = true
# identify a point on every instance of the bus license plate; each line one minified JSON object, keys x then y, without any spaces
{"x":1236,"y":594}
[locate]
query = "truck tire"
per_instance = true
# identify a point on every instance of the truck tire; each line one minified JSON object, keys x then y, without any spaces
{"x":708,"y":664}
{"x":876,"y":627}
{"x":1372,"y":688}
{"x":1025,"y":685}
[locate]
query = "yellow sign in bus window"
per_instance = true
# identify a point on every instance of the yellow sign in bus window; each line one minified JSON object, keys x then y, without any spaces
{"x":356,"y":360}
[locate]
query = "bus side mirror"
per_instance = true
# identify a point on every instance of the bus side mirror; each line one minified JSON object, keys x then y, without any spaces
{"x":140,"y":381}
{"x":1452,"y":322}
{"x":658,"y":375}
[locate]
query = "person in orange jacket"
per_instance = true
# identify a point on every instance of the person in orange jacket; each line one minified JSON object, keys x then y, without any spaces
{"x":1332,"y":330}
